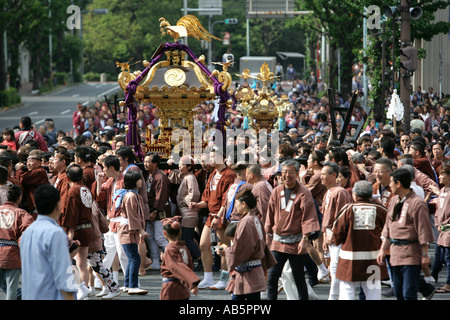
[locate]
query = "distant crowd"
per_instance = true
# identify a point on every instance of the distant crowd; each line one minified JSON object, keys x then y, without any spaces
{"x":380,"y":199}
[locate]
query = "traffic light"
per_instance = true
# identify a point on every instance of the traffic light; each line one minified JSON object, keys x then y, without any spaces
{"x":231,"y":21}
{"x":410,"y":63}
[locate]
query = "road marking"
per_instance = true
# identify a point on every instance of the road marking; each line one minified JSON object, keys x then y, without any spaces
{"x":67,"y":111}
{"x":75,"y":95}
{"x":107,"y":92}
{"x":52,"y":116}
{"x":33,"y":113}
{"x":40,"y":121}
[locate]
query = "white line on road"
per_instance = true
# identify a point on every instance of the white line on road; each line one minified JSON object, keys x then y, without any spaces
{"x":67,"y":111}
{"x":40,"y":121}
{"x":76,"y":95}
{"x":107,"y":92}
{"x":33,"y":113}
{"x":52,"y":116}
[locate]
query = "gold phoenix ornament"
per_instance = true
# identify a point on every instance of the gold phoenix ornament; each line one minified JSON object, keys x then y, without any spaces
{"x":187,"y":26}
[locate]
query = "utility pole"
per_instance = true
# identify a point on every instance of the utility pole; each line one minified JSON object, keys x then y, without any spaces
{"x":405,"y":75}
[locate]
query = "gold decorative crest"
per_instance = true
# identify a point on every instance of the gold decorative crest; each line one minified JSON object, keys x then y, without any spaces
{"x":175,"y":77}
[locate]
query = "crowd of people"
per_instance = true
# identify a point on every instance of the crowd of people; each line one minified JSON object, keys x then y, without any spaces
{"x":85,"y":207}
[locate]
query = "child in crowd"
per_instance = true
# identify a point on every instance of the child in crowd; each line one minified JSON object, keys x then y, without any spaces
{"x":9,"y":140}
{"x":249,"y":254}
{"x":176,"y":267}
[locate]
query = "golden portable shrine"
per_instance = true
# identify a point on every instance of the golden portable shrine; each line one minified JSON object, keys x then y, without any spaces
{"x":177,"y":85}
{"x":262,"y":106}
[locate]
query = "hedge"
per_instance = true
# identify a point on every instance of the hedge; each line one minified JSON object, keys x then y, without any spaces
{"x":9,"y":97}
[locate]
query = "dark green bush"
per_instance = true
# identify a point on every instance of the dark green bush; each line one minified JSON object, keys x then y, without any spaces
{"x":9,"y":97}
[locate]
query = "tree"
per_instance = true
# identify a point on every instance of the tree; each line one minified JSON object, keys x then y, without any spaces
{"x":424,"y":28}
{"x":341,"y":21}
{"x":29,"y":23}
{"x":10,"y":25}
{"x":131,"y":30}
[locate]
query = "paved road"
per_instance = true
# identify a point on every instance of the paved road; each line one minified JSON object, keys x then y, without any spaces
{"x":58,"y":105}
{"x":152,"y":282}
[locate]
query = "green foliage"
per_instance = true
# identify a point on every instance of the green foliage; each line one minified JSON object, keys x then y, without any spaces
{"x":342,"y":23}
{"x":30,"y":23}
{"x":61,"y":78}
{"x":92,"y":76}
{"x":424,"y":28}
{"x":131,"y":30}
{"x":9,"y":97}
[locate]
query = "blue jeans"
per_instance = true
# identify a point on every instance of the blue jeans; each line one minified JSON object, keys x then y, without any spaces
{"x":134,"y":261}
{"x":297,"y":263}
{"x":445,"y":256}
{"x":406,"y":281}
{"x":9,"y":280}
{"x":442,"y":256}
{"x":447,"y":262}
{"x":187,"y":235}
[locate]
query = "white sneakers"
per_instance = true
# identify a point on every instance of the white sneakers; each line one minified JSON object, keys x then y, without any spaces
{"x":111,"y":295}
{"x":137,"y":291}
{"x":323,"y":275}
{"x":206,"y":284}
{"x":103,"y":293}
{"x":430,"y":279}
{"x":209,"y":284}
{"x":220,"y":285}
{"x":91,"y":292}
{"x":83,"y":291}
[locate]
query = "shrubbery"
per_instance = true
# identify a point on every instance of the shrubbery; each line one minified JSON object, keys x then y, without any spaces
{"x":9,"y":97}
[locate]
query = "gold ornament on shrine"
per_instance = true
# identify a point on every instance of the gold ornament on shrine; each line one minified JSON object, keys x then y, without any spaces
{"x":175,"y":85}
{"x":263,"y":107}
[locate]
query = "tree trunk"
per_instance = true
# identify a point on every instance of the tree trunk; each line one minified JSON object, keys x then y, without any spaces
{"x":14,"y":41}
{"x":2,"y":64}
{"x":60,"y":65}
{"x":36,"y":63}
{"x":331,"y":68}
{"x":346,"y":73}
{"x":312,"y":46}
